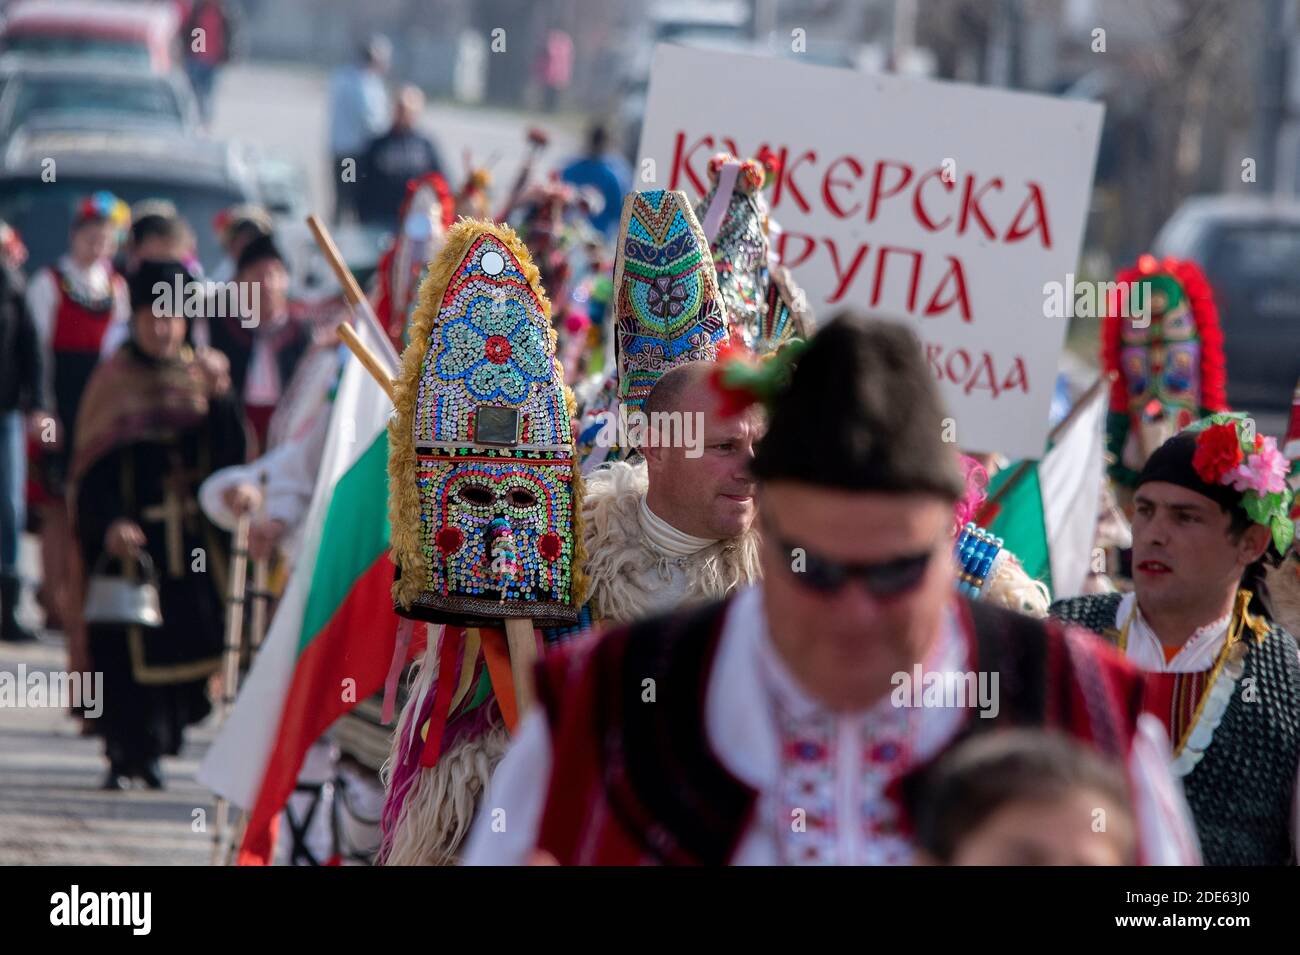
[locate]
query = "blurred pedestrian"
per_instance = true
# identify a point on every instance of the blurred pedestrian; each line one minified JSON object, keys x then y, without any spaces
{"x":604,"y":170}
{"x":155,"y":424}
{"x":160,"y":234}
{"x":392,"y":160}
{"x":359,"y":111}
{"x":24,"y":406}
{"x":157,"y":234}
{"x":75,"y":304}
{"x":210,"y":35}
{"x":235,"y":228}
{"x":553,"y":68}
{"x":264,"y":347}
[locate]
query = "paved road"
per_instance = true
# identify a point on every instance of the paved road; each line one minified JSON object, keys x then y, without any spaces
{"x":51,"y":810}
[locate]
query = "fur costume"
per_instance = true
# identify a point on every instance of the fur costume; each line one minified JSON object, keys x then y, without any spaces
{"x":622,"y":563}
{"x":485,"y":509}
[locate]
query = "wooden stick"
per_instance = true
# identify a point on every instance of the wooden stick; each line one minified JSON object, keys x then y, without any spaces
{"x":230,"y":663}
{"x":523,"y":654}
{"x":352,"y":292}
{"x":1062,"y":426}
{"x":235,"y":615}
{"x":368,"y":359}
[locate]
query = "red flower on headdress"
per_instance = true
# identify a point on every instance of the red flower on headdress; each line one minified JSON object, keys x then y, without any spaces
{"x":771,"y":161}
{"x":1218,"y":451}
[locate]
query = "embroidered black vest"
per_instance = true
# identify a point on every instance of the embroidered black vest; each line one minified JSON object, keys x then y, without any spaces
{"x":1241,"y":792}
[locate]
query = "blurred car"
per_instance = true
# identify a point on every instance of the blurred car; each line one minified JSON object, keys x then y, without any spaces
{"x":1249,"y":249}
{"x":138,"y":35}
{"x":200,"y":176}
{"x":73,"y":94}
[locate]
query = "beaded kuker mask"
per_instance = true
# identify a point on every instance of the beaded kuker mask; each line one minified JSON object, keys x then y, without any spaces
{"x":483,"y":494}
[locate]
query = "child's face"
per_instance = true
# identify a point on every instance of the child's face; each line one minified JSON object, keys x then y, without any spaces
{"x":1083,"y":828}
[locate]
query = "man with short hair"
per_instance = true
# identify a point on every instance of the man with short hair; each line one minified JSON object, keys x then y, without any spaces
{"x":676,"y":528}
{"x":1221,"y":675}
{"x":763,"y":729}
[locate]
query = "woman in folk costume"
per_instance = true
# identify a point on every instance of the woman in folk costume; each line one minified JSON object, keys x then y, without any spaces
{"x":1168,"y":360}
{"x":427,"y":212}
{"x":75,"y":303}
{"x":765,"y":306}
{"x":153,"y":424}
{"x":485,"y":505}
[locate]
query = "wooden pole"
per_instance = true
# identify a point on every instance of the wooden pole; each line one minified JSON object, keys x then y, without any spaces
{"x":355,"y":297}
{"x":523,"y":654}
{"x":367,"y":358}
{"x":261,"y":593}
{"x":230,"y":663}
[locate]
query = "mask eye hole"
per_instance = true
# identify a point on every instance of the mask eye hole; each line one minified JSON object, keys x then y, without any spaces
{"x":476,"y":494}
{"x":519,"y":497}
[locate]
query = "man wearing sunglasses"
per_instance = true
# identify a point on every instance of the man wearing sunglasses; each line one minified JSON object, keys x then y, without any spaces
{"x":766,"y":729}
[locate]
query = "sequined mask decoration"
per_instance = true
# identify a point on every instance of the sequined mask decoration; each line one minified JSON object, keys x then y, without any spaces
{"x":763,"y":302}
{"x":1161,"y":360}
{"x":667,"y":305}
{"x":481,"y":460}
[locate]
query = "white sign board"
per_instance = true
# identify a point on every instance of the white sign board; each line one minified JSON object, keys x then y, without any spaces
{"x":946,"y":206}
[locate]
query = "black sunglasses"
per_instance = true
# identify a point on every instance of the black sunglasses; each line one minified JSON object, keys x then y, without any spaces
{"x":890,"y":578}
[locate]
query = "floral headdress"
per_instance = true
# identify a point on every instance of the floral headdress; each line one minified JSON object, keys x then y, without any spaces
{"x":1229,"y":453}
{"x":103,"y":206}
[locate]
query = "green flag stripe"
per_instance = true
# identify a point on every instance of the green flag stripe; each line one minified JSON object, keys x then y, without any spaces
{"x":356,"y":532}
{"x":1019,"y":522}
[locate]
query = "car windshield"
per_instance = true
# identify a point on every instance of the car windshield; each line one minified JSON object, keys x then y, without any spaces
{"x":42,"y":212}
{"x":130,"y":52}
{"x":94,"y":94}
{"x":1249,"y":252}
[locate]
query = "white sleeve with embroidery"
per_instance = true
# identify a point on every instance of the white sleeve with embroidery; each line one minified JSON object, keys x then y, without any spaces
{"x":42,"y":299}
{"x":1166,"y":832}
{"x":510,"y":813}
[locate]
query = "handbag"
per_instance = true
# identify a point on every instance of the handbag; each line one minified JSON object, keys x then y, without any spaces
{"x":123,"y":601}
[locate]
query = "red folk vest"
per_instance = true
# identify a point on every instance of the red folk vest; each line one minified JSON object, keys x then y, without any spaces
{"x":634,"y":783}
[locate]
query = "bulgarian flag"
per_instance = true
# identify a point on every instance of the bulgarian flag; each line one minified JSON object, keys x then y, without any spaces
{"x":332,"y":637}
{"x":1046,"y":511}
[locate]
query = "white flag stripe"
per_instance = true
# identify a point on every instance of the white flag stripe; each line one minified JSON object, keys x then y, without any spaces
{"x":236,"y":760}
{"x":1069,"y":478}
